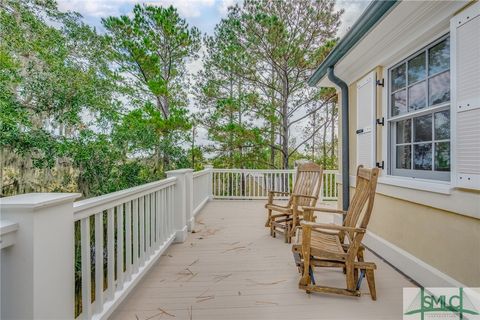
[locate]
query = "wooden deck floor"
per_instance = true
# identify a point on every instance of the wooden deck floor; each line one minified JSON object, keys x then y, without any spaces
{"x":230,"y":268}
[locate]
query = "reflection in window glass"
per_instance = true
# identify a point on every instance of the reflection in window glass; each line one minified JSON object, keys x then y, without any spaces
{"x":420,"y":144}
{"x":422,"y":128}
{"x":439,"y":88}
{"x":442,"y":156}
{"x":404,"y":131}
{"x":417,"y":96}
{"x":398,"y":77}
{"x":399,"y":103}
{"x":439,"y":57}
{"x":404,"y":157}
{"x":422,"y":156}
{"x":416,"y":68}
{"x":442,"y":125}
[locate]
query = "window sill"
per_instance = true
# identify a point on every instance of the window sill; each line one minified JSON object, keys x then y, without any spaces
{"x":436,"y":194}
{"x":442,"y":187}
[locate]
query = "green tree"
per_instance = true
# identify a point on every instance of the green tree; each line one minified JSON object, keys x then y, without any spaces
{"x":54,"y":75}
{"x":283,"y":42}
{"x":151,"y":51}
{"x":228,"y":103}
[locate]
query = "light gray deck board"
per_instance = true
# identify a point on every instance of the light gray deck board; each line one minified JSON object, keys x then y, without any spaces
{"x":230,"y":268}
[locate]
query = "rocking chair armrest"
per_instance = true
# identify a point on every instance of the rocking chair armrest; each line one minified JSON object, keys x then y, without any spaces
{"x":330,"y":227}
{"x":325,"y":210}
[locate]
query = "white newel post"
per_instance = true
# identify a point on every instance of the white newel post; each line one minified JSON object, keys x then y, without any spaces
{"x":210,"y":180}
{"x":37,"y":272}
{"x":183,"y":203}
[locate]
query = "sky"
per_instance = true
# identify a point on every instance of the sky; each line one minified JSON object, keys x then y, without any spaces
{"x":203,"y":14}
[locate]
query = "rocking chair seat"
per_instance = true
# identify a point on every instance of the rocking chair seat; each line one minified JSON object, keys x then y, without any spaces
{"x":327,"y":245}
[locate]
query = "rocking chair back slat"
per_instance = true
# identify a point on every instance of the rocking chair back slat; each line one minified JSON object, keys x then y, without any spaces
{"x":306,"y":190}
{"x":364,"y":195}
{"x":307,"y":183}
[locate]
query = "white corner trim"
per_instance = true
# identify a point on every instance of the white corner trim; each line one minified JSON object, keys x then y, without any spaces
{"x":200,"y":206}
{"x":423,"y":273}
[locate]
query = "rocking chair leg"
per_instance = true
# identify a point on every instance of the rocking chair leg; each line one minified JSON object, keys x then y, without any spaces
{"x":371,"y":284}
{"x":267,"y":224}
{"x":350,"y":275}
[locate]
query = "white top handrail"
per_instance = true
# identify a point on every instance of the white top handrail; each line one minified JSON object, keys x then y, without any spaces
{"x":200,"y":173}
{"x":7,"y":227}
{"x":256,"y":170}
{"x":87,"y":207}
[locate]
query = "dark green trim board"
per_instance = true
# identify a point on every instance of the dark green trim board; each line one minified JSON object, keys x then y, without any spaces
{"x":372,"y":15}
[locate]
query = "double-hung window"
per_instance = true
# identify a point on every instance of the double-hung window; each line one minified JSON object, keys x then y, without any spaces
{"x":419,"y":113}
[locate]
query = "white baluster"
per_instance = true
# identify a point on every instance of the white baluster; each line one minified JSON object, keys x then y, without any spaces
{"x":141,"y":216}
{"x":120,"y":247}
{"x":110,"y":254}
{"x":147,"y":226}
{"x":98,"y":262}
{"x":128,"y":239}
{"x":135,"y":235}
{"x":86,"y":268}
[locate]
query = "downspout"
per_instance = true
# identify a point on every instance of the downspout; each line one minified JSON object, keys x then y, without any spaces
{"x":345,"y":138}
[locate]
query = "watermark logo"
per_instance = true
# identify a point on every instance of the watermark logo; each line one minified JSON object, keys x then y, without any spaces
{"x":441,"y":303}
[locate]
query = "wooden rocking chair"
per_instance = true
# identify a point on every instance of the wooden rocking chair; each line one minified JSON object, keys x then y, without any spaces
{"x":305,"y":193}
{"x":329,"y":245}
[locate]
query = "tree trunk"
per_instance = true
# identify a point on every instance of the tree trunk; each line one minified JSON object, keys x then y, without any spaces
{"x":285,"y":134}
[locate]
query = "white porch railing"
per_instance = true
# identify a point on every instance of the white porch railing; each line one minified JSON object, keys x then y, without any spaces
{"x":120,"y":235}
{"x":255,"y":184}
{"x":114,"y":239}
{"x":202,"y":189}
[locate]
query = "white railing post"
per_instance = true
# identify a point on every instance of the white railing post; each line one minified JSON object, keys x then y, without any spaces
{"x":37,"y":272}
{"x":210,"y":180}
{"x":182,"y":204}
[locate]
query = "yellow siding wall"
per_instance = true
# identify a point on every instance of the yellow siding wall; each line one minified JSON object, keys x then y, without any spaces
{"x":447,"y":241}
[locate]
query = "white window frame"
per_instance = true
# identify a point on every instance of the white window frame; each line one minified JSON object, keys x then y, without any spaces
{"x":429,"y":175}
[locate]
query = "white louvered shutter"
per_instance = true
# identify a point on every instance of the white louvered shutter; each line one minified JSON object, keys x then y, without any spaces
{"x":465,"y":61}
{"x":366,"y":119}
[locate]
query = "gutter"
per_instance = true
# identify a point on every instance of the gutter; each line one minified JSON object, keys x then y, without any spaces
{"x":372,"y":15}
{"x":345,"y":138}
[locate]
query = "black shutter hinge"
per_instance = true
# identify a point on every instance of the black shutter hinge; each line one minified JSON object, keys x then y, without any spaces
{"x":381,"y":83}
{"x":381,"y":165}
{"x":381,"y":121}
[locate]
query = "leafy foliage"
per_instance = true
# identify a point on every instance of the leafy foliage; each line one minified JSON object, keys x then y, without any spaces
{"x":71,"y":119}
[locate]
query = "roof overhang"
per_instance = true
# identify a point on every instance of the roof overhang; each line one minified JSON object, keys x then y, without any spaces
{"x":399,"y":32}
{"x":372,"y":15}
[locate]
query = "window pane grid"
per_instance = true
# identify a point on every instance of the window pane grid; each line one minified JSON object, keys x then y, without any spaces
{"x":400,"y":77}
{"x":419,"y":117}
{"x":431,"y":147}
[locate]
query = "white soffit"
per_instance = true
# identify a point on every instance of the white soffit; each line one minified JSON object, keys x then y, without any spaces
{"x":407,"y":27}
